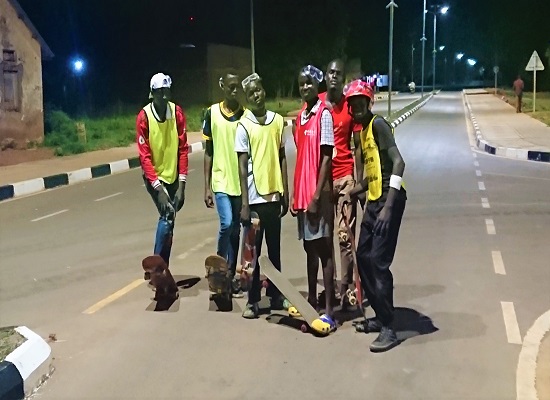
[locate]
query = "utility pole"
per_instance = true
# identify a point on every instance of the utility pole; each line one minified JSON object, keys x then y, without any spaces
{"x":423,"y":43}
{"x":391,"y":6}
{"x":252,"y":36}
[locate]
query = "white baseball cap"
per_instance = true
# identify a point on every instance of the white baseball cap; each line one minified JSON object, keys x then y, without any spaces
{"x":160,"y":80}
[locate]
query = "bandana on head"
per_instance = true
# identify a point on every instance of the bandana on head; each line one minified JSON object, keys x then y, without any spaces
{"x":249,"y":79}
{"x":313,"y":72}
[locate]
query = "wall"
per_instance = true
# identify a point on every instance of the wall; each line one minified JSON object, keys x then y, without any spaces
{"x":28,"y":124}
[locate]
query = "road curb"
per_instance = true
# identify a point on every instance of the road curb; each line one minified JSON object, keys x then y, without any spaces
{"x":25,"y":368}
{"x":406,"y":115}
{"x":508,"y":152}
{"x":36,"y":185}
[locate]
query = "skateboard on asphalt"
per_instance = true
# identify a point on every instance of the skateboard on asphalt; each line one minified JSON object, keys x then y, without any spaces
{"x":249,"y":254}
{"x":161,"y":278}
{"x":308,"y":313}
{"x":219,"y":282}
{"x":354,"y":296}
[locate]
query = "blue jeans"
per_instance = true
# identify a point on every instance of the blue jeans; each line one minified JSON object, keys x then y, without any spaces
{"x":229,"y":209}
{"x":165,"y":226}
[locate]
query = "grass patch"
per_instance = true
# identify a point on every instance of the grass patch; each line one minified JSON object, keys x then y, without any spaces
{"x":284,"y":105}
{"x":543,"y":103}
{"x":65,"y":135}
{"x":9,"y":341}
{"x":398,"y":113}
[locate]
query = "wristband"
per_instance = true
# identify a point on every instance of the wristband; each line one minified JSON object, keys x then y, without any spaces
{"x":395,"y":182}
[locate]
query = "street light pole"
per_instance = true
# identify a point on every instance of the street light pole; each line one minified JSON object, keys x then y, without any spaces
{"x":391,"y":6}
{"x":423,"y":43}
{"x":412,"y":62}
{"x":252,"y":36}
{"x":434,"y":52}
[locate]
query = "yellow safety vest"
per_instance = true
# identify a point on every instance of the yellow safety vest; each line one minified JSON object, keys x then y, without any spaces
{"x":265,"y":142}
{"x":164,"y":143}
{"x":371,"y":159}
{"x":225,"y":165}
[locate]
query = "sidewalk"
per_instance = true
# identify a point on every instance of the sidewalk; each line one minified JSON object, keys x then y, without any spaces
{"x":500,"y":130}
{"x":37,"y":169}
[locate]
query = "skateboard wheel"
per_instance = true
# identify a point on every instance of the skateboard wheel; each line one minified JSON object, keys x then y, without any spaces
{"x":303,"y":328}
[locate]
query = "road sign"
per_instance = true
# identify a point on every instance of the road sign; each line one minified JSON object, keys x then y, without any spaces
{"x":535,"y":63}
{"x":496,"y":69}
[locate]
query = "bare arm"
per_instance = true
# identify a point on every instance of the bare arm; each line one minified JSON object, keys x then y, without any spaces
{"x":208,"y":156}
{"x":243,"y":177}
{"x":358,"y":153}
{"x":324,"y":171}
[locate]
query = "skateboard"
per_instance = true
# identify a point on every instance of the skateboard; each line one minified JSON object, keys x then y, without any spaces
{"x":161,"y":278}
{"x":249,"y":255}
{"x":308,"y":313}
{"x":354,"y":296}
{"x":219,"y":283}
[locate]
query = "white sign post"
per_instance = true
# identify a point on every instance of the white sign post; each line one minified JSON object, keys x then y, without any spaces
{"x":534,"y":64}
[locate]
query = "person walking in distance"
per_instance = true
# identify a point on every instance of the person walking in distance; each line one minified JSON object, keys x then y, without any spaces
{"x":518,"y":90}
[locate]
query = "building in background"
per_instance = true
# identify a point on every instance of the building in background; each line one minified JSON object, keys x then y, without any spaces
{"x":22,"y":50}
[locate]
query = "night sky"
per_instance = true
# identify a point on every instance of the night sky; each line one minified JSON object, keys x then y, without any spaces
{"x":124,"y":42}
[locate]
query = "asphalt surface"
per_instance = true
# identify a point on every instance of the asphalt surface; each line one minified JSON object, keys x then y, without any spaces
{"x":452,"y":297}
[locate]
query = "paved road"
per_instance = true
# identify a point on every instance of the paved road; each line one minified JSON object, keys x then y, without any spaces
{"x":452,"y":303}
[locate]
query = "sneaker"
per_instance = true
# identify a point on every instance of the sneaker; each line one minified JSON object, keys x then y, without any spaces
{"x":236,"y":289}
{"x":251,"y":311}
{"x":279,"y":303}
{"x":368,"y":325}
{"x":385,"y":341}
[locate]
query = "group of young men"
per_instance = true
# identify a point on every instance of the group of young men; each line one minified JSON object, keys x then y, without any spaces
{"x":245,"y":170}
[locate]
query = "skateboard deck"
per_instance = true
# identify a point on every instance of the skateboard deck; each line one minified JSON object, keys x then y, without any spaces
{"x":218,"y":282}
{"x":354,"y":296}
{"x":249,"y":255}
{"x":309,"y":314}
{"x":161,"y":278}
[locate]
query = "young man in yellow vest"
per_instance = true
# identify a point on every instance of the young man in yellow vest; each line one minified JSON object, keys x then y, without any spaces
{"x":221,"y":171}
{"x":163,"y":153}
{"x":264,"y":183}
{"x":386,"y":198}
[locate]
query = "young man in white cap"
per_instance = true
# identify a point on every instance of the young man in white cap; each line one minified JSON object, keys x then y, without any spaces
{"x":163,"y":153}
{"x":221,"y":171}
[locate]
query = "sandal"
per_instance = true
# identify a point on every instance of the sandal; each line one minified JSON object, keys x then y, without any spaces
{"x":324,"y":325}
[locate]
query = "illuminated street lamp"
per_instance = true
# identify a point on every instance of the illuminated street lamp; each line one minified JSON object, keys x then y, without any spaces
{"x":459,"y":56}
{"x":78,"y":66}
{"x":471,"y":62}
{"x":443,"y":11}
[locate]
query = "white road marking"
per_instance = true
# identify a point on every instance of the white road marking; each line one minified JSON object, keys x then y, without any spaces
{"x":476,"y":163}
{"x":138,"y":282}
{"x":527,"y":364}
{"x":510,"y":322}
{"x":197,"y":247}
{"x":478,"y":172}
{"x":498,"y":264}
{"x":108,"y":197}
{"x":49,"y":215}
{"x":485,"y":202}
{"x":490,"y":226}
{"x":481,"y":185}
